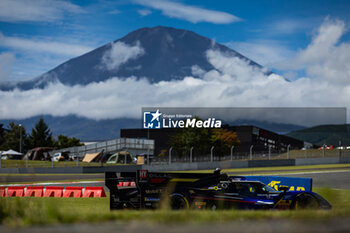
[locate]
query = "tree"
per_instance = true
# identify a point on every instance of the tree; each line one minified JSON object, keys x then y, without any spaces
{"x":186,"y":138}
{"x":202,"y":139}
{"x":223,"y":140}
{"x":2,"y":132}
{"x":41,"y":135}
{"x":65,"y":142}
{"x":11,"y":138}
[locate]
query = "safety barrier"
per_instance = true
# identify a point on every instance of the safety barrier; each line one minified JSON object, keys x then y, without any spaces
{"x":51,"y":191}
{"x":94,"y":192}
{"x":73,"y":192}
{"x":15,"y":191}
{"x":34,"y":191}
{"x":2,"y":191}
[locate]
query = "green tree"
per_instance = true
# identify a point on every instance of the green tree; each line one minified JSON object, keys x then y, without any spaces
{"x":202,"y":139}
{"x":41,"y":135}
{"x":185,"y":138}
{"x":2,"y":132}
{"x":223,"y":140}
{"x":11,"y":138}
{"x":65,"y":142}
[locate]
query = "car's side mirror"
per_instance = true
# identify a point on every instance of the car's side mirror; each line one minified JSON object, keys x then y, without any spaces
{"x":283,"y":188}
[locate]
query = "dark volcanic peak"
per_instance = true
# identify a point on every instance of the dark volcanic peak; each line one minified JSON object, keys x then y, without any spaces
{"x":158,"y":53}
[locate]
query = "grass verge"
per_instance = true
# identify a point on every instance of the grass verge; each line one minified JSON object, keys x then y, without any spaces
{"x":281,"y":168}
{"x":43,"y":211}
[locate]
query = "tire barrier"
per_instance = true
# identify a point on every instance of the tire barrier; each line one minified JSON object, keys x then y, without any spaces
{"x":51,"y":191}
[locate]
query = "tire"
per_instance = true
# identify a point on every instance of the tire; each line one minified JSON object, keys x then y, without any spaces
{"x":305,"y":201}
{"x":178,"y":202}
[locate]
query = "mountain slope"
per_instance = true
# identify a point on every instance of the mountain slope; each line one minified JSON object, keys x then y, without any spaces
{"x":167,"y":53}
{"x":93,"y":130}
{"x":324,"y":134}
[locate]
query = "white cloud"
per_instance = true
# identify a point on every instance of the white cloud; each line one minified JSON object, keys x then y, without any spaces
{"x":120,"y":53}
{"x":144,"y":12}
{"x":114,"y":12}
{"x":47,"y":46}
{"x":290,"y":25}
{"x":233,"y":83}
{"x":6,"y":63}
{"x":193,"y":14}
{"x":325,"y":58}
{"x":36,"y":10}
{"x":264,"y":52}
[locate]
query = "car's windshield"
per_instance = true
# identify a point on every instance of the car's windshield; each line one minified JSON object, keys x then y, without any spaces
{"x":252,"y":188}
{"x":268,"y":189}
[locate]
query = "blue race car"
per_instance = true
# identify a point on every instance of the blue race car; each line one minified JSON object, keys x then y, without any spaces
{"x":205,"y":191}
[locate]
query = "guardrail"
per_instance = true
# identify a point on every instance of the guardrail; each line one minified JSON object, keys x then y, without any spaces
{"x":173,"y":157}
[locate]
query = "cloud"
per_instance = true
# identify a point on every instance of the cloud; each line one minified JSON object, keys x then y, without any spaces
{"x":325,"y":58}
{"x":114,"y":12}
{"x":264,"y":52}
{"x":290,"y":25}
{"x":190,"y":13}
{"x":119,"y":54}
{"x":6,"y":63}
{"x":232,"y":82}
{"x":47,"y":46}
{"x":144,"y":12}
{"x":36,"y":10}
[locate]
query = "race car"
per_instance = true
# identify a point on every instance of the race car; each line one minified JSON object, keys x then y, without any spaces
{"x":205,"y":191}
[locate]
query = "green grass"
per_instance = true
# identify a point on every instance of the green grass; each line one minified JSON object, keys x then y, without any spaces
{"x":42,"y":211}
{"x":312,"y":153}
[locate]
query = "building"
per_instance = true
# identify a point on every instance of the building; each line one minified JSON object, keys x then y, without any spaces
{"x":262,"y":139}
{"x":249,"y":135}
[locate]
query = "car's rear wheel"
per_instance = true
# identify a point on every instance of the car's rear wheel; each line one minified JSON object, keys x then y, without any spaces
{"x":305,"y":201}
{"x":179,"y":202}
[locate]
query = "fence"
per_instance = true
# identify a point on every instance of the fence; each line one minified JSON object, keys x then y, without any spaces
{"x":137,"y":146}
{"x":174,"y":157}
{"x":133,"y":145}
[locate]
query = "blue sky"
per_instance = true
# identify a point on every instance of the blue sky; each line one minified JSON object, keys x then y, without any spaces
{"x":37,"y":37}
